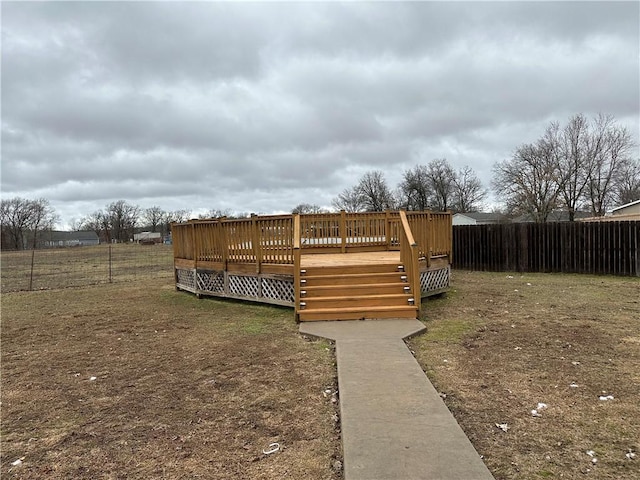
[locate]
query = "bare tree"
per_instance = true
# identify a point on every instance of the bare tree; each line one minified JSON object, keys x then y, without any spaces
{"x":374,"y":191}
{"x":468,"y":192}
{"x":609,"y":162}
{"x":528,"y":182}
{"x":43,"y":217}
{"x":415,"y":189}
{"x":216,"y":213}
{"x":587,"y":161}
{"x":75,"y":224}
{"x":574,"y":150}
{"x":94,"y":222}
{"x":350,"y":200}
{"x":153,"y":218}
{"x":308,"y":208}
{"x":176,"y":216}
{"x":628,"y":185}
{"x":441,"y":180}
{"x":119,"y":220}
{"x":14,"y":214}
{"x":21,"y":218}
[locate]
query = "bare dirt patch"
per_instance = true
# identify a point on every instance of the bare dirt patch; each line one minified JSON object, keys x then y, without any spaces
{"x":141,"y":381}
{"x":499,"y":344}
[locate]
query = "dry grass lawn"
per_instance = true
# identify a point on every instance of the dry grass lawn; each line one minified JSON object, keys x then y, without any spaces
{"x":188,"y":388}
{"x":501,"y":343}
{"x":136,"y":380}
{"x":82,"y":266}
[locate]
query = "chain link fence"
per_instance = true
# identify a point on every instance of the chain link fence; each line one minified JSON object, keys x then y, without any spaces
{"x":80,"y":266}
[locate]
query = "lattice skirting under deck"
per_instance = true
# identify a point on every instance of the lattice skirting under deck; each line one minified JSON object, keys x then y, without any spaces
{"x":186,"y":279}
{"x":433,"y":281}
{"x":276,"y":289}
{"x":211,"y":281}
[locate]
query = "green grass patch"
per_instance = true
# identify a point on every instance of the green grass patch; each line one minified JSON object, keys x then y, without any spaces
{"x":451,"y":331}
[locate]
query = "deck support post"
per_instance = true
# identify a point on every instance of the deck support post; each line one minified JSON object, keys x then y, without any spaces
{"x":343,"y":231}
{"x":224,"y":245}
{"x":255,"y":240}
{"x":428,"y":249}
{"x":296,"y":265}
{"x":194,"y":242}
{"x":387,"y":229}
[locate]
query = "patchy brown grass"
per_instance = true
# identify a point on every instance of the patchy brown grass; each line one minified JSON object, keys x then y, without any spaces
{"x":184,"y":388}
{"x":497,"y":346}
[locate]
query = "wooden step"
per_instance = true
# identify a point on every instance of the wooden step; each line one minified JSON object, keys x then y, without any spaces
{"x":353,"y":290}
{"x":363,"y":301}
{"x":357,"y":313}
{"x":351,"y":269}
{"x":351,"y":279}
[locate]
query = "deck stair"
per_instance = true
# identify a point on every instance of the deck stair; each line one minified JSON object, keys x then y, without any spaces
{"x":351,"y":292}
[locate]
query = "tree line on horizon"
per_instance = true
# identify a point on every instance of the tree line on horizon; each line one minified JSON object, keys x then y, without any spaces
{"x":583,"y":165}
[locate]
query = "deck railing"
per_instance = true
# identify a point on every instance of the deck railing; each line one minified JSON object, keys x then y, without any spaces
{"x":344,"y":230}
{"x":270,"y":240}
{"x":432,"y":232}
{"x":255,"y":240}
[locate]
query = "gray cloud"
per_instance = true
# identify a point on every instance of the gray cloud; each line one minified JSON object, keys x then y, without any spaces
{"x":258,"y":107}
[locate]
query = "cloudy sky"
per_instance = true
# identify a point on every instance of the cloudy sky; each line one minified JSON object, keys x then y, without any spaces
{"x":256,"y":107}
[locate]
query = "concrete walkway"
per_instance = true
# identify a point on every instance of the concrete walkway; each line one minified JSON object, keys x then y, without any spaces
{"x":395,"y":426}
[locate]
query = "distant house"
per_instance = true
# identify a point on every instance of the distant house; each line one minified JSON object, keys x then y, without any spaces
{"x":53,"y":239}
{"x":623,"y":213}
{"x":478,"y":218}
{"x":147,"y":237}
{"x":632,"y":208}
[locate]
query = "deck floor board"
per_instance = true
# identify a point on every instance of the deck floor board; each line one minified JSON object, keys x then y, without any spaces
{"x":359,"y":258}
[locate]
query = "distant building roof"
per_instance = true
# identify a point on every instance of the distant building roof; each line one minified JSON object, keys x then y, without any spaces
{"x":478,"y":218}
{"x":555,"y":216}
{"x":486,"y":217}
{"x":59,"y":236}
{"x":625,"y":206}
{"x":631,"y":217}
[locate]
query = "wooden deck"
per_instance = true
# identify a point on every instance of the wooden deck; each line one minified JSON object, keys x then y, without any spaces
{"x":327,"y":266}
{"x":359,"y":258}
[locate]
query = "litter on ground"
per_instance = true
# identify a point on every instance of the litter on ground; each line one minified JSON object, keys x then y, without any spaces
{"x":273,"y":448}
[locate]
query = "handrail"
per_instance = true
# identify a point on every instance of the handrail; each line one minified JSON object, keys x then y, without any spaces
{"x":409,"y":258}
{"x":407,"y":228}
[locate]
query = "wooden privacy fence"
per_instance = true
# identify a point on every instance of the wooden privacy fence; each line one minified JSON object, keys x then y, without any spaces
{"x":572,"y":247}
